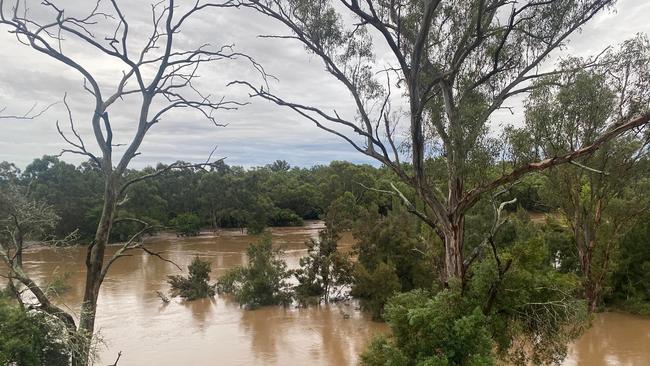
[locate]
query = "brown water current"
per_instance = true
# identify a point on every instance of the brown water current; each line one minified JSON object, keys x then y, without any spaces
{"x":132,"y":319}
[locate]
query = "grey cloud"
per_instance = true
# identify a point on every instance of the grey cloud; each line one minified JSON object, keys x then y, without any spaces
{"x":257,"y":133}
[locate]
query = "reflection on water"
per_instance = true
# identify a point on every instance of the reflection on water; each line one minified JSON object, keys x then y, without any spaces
{"x":132,"y":319}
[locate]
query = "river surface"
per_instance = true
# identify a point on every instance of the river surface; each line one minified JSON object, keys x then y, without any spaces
{"x":132,"y":318}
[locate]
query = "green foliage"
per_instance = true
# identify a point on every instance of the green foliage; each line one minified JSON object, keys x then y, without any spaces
{"x":72,"y":191}
{"x":534,"y":310}
{"x":441,"y":330}
{"x":563,"y":114}
{"x":374,"y":287}
{"x":196,"y":285}
{"x":30,"y":338}
{"x":396,"y":238}
{"x":518,"y":308}
{"x":263,"y":282}
{"x":324,"y":271}
{"x":343,"y":211}
{"x":224,"y":197}
{"x":285,"y":217}
{"x":391,"y":257}
{"x":631,"y":279}
{"x":186,"y":224}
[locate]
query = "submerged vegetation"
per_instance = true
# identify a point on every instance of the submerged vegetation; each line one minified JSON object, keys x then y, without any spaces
{"x":263,"y":281}
{"x":196,"y":285}
{"x":186,"y":224}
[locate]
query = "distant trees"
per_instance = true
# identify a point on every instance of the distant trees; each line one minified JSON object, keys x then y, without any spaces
{"x":74,"y":192}
{"x":220,"y":196}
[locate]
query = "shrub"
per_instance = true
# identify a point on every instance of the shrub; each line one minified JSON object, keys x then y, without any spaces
{"x":263,"y":281}
{"x":196,"y":285}
{"x":187,"y":224}
{"x":375,"y":287}
{"x":325,"y":271}
{"x":30,"y":338}
{"x":256,"y":226}
{"x":443,"y":330}
{"x":285,"y":217}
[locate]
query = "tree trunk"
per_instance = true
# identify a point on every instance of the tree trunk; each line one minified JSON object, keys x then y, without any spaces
{"x":592,"y":294}
{"x":586,"y":243}
{"x":455,"y":229}
{"x":454,"y":239}
{"x":94,"y":266}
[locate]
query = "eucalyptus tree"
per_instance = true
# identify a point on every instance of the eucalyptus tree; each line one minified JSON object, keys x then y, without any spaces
{"x":602,"y":195}
{"x":454,"y":63}
{"x":159,"y":72}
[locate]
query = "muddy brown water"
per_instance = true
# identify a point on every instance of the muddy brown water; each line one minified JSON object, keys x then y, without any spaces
{"x":132,"y":319}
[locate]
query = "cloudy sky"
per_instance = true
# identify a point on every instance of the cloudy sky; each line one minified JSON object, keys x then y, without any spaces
{"x":256,"y":134}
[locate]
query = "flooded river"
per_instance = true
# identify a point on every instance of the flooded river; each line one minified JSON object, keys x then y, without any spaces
{"x":132,"y":319}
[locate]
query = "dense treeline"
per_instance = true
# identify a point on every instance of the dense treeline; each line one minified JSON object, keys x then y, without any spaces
{"x":222,"y":196}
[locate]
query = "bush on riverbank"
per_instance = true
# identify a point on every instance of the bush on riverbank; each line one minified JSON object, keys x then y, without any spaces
{"x":443,"y":330}
{"x":29,"y":338}
{"x":196,"y":285}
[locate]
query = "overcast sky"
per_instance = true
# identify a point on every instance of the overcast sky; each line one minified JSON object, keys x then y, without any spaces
{"x":256,"y":134}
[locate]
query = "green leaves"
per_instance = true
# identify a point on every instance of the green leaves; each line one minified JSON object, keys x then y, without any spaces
{"x":196,"y":285}
{"x":30,"y":338}
{"x":263,"y":281}
{"x":438,"y":330}
{"x":186,"y":224}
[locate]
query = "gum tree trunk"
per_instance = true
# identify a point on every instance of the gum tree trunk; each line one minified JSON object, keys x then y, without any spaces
{"x":94,"y":266}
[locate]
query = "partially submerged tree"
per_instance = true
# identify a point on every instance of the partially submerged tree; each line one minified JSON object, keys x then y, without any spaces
{"x":24,"y":220}
{"x":196,"y":285}
{"x":456,"y":63}
{"x":186,"y":224}
{"x":325,"y":273}
{"x":264,"y":281}
{"x":159,"y":76}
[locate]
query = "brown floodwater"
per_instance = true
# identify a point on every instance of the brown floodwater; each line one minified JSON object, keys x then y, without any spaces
{"x":132,"y":319}
{"x":613,"y":339}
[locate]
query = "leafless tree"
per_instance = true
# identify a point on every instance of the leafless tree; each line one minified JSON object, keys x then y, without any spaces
{"x":32,"y":113}
{"x":457,"y":63}
{"x":158,"y":74}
